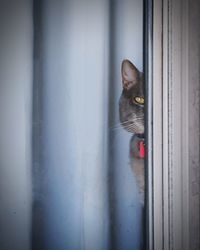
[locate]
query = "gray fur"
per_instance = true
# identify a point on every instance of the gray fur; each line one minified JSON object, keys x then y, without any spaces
{"x":132,"y":117}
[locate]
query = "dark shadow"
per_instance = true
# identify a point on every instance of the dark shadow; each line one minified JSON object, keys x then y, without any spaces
{"x":37,"y":232}
{"x":111,"y":120}
{"x":148,"y":71}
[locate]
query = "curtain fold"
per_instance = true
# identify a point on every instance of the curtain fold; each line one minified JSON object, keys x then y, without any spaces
{"x":16,"y":118}
{"x":89,"y":197}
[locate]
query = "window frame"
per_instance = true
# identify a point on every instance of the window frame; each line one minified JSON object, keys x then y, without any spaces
{"x":167,"y":44}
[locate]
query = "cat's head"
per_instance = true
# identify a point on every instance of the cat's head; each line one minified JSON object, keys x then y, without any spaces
{"x":131,"y":104}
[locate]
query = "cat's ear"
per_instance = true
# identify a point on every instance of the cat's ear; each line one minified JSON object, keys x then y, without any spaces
{"x":130,"y":74}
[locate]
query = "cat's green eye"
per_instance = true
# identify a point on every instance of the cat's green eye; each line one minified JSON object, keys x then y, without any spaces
{"x":139,"y":100}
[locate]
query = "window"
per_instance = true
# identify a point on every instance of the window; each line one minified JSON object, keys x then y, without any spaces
{"x":67,"y":144}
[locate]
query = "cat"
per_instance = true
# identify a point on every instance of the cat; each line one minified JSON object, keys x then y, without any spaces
{"x":131,"y":114}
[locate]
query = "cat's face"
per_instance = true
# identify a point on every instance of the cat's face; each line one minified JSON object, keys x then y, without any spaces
{"x":131,"y":104}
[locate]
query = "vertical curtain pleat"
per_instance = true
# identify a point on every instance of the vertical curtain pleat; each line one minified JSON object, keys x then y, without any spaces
{"x":126,"y":41}
{"x":75,"y":80}
{"x":15,"y":117}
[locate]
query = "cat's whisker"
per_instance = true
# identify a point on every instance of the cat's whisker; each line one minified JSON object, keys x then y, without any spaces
{"x":124,"y":122}
{"x":119,"y":124}
{"x":126,"y":125}
{"x":129,"y":127}
{"x":139,"y":117}
{"x":120,"y":127}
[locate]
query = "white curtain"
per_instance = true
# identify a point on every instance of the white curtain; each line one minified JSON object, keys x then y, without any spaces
{"x":84,"y":194}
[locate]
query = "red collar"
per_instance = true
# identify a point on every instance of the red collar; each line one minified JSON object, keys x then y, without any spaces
{"x":141,"y":145}
{"x":142,"y":149}
{"x":137,"y":146}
